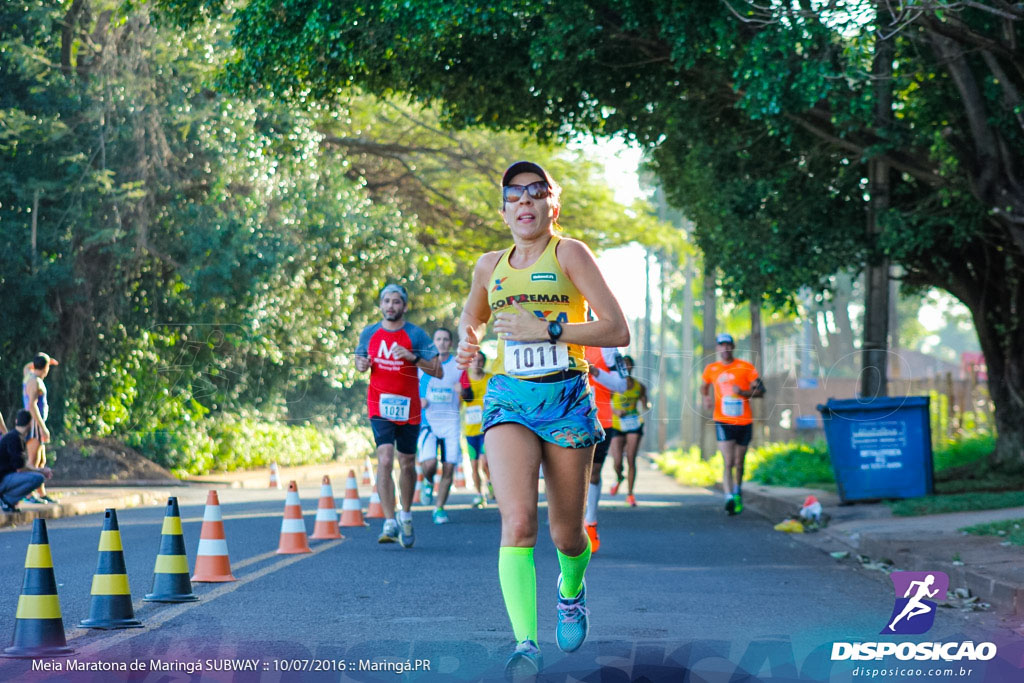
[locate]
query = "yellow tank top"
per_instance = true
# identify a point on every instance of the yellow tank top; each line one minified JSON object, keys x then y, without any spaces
{"x":472,"y":413}
{"x":545,"y":290}
{"x":626,"y":403}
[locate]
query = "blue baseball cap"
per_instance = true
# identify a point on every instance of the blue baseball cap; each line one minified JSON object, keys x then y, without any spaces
{"x":395,"y":289}
{"x":724,"y":338}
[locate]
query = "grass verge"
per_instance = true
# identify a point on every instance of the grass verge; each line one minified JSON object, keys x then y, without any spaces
{"x":1011,"y":529}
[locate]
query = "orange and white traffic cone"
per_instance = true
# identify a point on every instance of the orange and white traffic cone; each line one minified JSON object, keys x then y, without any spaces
{"x":367,"y":473}
{"x":351,"y":508}
{"x":293,"y":527}
{"x":326,"y":526}
{"x":417,"y":495}
{"x":460,"y":476}
{"x":212,"y":563}
{"x":376,"y":510}
{"x":274,"y":481}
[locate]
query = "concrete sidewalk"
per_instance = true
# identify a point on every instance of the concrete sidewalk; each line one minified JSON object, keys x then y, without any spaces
{"x":988,"y":569}
{"x":90,"y":497}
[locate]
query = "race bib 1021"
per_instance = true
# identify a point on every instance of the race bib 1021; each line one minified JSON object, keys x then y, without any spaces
{"x":394,"y":407}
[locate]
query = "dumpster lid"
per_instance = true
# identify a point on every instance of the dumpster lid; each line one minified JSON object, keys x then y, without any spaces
{"x":840,"y":405}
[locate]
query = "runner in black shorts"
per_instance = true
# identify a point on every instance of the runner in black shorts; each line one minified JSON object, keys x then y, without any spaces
{"x":627,"y":430}
{"x":392,"y":350}
{"x":735,"y":382}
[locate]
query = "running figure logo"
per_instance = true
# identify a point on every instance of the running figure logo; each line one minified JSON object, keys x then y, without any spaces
{"x":913,"y":612}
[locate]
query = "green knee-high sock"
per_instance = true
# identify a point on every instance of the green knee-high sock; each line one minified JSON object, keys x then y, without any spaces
{"x":518,"y":577}
{"x":573,"y":569}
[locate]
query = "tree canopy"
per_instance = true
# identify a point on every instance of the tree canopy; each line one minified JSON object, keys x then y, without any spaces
{"x":189,"y":252}
{"x":773,"y":105}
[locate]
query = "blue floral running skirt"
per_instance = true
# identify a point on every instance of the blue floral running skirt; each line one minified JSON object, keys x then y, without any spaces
{"x":562,"y":413}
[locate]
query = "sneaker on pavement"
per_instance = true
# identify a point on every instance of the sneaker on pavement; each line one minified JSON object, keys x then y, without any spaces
{"x":33,"y":500}
{"x":595,"y":540}
{"x":7,"y":507}
{"x":406,"y":537}
{"x":390,"y":532}
{"x":631,"y":500}
{"x":440,"y":516}
{"x":47,"y":499}
{"x":428,"y":494}
{"x":615,"y":487}
{"x":479,"y":502}
{"x":526,"y":661}
{"x":737,"y":505}
{"x":730,"y":505}
{"x":490,"y":492}
{"x":573,"y":619}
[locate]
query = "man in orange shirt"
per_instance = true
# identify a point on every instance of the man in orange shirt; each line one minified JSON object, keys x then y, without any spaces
{"x":735,"y":382}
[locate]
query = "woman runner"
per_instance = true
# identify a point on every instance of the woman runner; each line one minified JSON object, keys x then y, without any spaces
{"x":538,"y":409}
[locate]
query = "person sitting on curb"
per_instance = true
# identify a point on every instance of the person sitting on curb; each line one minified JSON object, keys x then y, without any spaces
{"x":16,"y":478}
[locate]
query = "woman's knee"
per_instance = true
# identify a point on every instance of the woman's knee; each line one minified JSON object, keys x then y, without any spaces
{"x":570,"y":540}
{"x":519,"y":529}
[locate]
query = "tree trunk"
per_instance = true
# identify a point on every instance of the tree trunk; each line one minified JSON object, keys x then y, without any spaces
{"x":707,"y":432}
{"x":843,"y":338}
{"x":873,"y":377}
{"x":689,"y":413}
{"x":757,"y":358}
{"x":648,"y":355}
{"x":1005,"y":365}
{"x":662,"y":361}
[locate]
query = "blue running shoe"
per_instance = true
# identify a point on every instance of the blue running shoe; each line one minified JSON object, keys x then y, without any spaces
{"x":390,"y":532}
{"x":405,"y":535}
{"x":573,"y":621}
{"x":525,"y":662}
{"x":440,"y":516}
{"x":428,"y":494}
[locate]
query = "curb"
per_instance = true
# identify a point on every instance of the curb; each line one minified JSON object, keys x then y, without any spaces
{"x":82,"y":507}
{"x":997,"y":591}
{"x":302,"y":474}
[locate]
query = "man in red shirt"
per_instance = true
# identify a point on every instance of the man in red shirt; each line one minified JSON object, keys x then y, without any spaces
{"x":392,"y":350}
{"x":735,"y":382}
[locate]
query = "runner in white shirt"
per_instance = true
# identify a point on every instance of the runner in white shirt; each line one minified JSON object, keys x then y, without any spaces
{"x":441,"y":426}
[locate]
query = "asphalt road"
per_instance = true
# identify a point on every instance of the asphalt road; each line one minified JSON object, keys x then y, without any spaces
{"x":677,"y":590}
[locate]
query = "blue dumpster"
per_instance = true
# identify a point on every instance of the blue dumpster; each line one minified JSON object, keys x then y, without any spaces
{"x":880,"y":448}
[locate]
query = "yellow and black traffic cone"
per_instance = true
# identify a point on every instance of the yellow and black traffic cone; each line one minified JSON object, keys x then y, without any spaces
{"x":111,"y":598}
{"x":170,"y":576}
{"x":38,"y":625}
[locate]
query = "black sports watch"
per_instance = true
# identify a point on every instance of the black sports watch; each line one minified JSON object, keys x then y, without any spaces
{"x":554,"y":331}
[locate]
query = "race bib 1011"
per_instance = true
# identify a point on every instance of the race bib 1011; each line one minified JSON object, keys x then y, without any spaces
{"x":529,"y":359}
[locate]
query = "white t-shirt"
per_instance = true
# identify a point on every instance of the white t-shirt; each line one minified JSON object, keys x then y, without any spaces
{"x":442,"y":396}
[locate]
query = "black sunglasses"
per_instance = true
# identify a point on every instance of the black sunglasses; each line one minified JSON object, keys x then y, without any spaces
{"x":537,"y":190}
